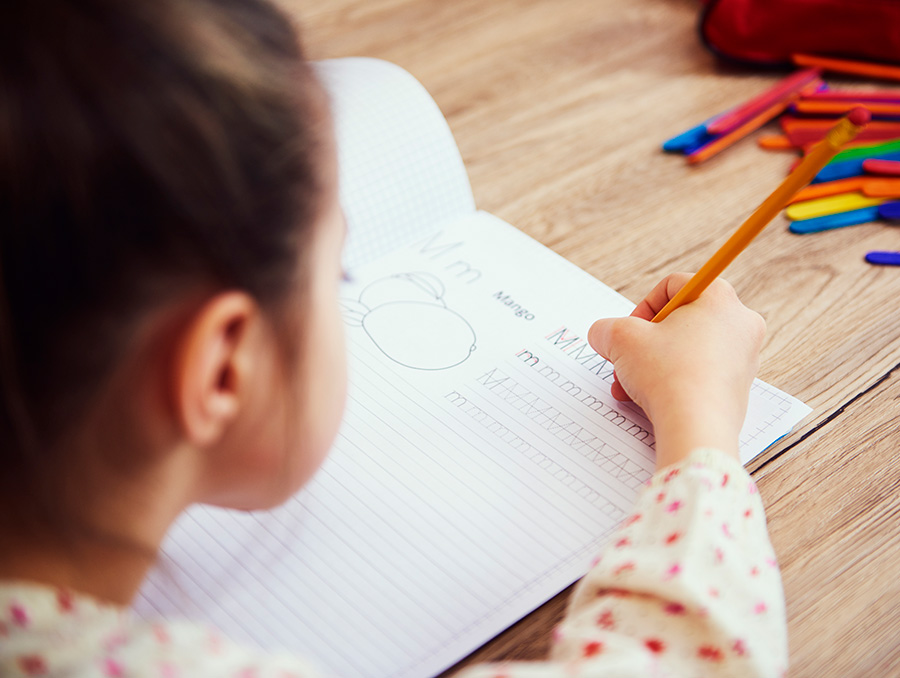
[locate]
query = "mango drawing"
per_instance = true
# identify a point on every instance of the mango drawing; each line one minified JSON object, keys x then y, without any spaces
{"x":406,"y":317}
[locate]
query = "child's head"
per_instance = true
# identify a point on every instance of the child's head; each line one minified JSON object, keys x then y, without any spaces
{"x":170,"y":250}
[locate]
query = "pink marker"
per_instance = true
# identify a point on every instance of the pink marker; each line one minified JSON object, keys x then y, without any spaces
{"x":806,"y":81}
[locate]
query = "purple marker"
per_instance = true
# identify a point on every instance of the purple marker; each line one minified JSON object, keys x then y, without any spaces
{"x":889,"y":210}
{"x":884,"y":258}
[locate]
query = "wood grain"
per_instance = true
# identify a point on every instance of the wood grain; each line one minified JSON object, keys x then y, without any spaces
{"x":559,"y":108}
{"x":833,"y":513}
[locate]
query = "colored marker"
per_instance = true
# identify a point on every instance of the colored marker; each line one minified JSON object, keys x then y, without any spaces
{"x":780,"y":142}
{"x":878,"y":109}
{"x":887,"y":168}
{"x":884,"y":258}
{"x":832,"y":221}
{"x":832,"y":204}
{"x":719,"y":144}
{"x":694,"y":137}
{"x":805,"y":131}
{"x":822,"y":190}
{"x":840,"y":134}
{"x":775,"y":142}
{"x":857,"y":146}
{"x":870,"y":150}
{"x":847,"y":66}
{"x":807,"y":80}
{"x":874,"y":187}
{"x":849,"y":168}
{"x":858,"y":96}
{"x":889,"y":210}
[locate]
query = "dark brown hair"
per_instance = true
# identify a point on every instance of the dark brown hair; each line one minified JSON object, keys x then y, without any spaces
{"x":146,"y":147}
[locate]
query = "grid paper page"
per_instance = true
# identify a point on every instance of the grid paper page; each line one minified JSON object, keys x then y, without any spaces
{"x":400,"y":171}
{"x":480,"y":467}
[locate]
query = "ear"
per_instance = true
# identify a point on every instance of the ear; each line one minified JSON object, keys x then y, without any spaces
{"x":215,"y":355}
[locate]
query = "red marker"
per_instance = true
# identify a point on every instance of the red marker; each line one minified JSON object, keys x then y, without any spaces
{"x":812,"y":132}
{"x":887,"y":168}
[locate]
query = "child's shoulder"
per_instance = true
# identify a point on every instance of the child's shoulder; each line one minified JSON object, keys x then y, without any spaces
{"x":52,"y":632}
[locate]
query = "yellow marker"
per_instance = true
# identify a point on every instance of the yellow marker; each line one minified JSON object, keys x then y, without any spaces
{"x":842,"y":133}
{"x":832,"y":204}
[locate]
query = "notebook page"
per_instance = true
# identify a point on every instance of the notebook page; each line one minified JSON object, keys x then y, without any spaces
{"x":400,"y":170}
{"x":481,"y":465}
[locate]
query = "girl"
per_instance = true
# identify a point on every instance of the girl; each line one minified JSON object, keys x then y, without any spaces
{"x":170,"y":242}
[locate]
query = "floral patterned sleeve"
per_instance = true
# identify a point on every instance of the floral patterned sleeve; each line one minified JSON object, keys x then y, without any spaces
{"x":688,"y":586}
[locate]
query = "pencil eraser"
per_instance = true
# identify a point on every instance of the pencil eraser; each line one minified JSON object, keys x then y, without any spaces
{"x":859,"y":116}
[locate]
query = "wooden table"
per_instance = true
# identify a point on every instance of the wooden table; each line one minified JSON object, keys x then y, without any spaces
{"x":559,"y":108}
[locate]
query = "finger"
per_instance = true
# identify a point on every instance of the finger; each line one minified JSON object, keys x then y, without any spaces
{"x":619,"y":393}
{"x":660,"y":295}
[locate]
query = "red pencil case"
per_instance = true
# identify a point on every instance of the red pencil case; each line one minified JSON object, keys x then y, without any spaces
{"x":767,"y":32}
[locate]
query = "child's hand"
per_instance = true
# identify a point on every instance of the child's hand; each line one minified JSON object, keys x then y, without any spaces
{"x":691,"y":373}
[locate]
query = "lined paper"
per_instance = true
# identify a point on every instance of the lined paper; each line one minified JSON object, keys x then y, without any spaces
{"x":480,"y":467}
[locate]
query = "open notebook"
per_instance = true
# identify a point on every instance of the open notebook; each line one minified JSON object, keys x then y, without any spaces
{"x":482,"y":461}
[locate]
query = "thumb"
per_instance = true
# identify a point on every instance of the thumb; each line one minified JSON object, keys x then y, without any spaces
{"x":600,"y":337}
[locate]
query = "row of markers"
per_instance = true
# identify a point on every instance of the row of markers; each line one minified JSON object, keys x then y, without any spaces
{"x":860,"y":184}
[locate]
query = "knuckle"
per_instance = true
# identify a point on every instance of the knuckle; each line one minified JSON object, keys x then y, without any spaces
{"x":755,"y":325}
{"x":725,"y":289}
{"x":675,"y":281}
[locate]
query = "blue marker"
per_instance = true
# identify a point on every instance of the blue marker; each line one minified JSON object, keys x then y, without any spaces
{"x":884,"y":258}
{"x":692,"y":139}
{"x":839,"y":220}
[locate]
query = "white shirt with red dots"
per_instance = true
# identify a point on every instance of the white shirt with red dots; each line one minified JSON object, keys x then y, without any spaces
{"x":687,"y":586}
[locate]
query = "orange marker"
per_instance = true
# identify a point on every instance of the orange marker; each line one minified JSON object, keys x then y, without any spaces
{"x":775,"y":142}
{"x":864,"y":68}
{"x":827,"y":188}
{"x":881,"y":188}
{"x":872,"y":187}
{"x":844,"y":107}
{"x":846,"y":129}
{"x":790,"y":123}
{"x":726,"y":140}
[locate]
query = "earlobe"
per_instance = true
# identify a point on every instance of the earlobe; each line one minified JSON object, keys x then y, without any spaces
{"x":213,"y":358}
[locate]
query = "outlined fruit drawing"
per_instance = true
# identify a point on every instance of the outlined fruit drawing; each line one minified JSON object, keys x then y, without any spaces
{"x":406,"y":317}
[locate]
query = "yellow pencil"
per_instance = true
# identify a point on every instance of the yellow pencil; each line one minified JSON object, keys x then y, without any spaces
{"x":843,"y":132}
